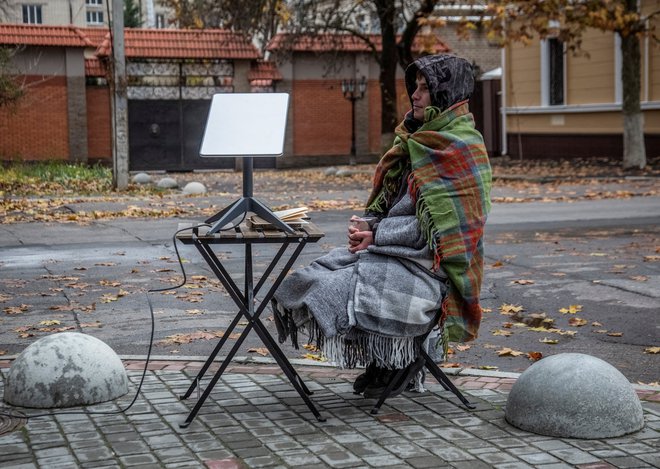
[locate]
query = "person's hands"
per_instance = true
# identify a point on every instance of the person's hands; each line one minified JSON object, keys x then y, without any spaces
{"x":359,"y":234}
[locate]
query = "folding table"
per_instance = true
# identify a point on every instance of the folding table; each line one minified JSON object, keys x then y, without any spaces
{"x":249,"y":308}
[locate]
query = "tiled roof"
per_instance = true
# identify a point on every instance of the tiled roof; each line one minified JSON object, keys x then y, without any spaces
{"x":95,"y":68}
{"x":39,"y":35}
{"x":263,"y":70}
{"x":345,"y":42}
{"x":183,"y":44}
{"x":96,"y":35}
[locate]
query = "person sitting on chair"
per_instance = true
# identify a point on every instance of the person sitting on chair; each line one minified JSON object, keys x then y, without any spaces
{"x":417,"y":255}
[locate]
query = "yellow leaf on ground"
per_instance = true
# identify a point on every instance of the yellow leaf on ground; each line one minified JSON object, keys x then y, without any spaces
{"x":546,"y":340}
{"x":596,"y":324}
{"x":507,"y":352}
{"x":49,"y":322}
{"x":502,"y":332}
{"x":315,"y":357}
{"x":615,"y":334}
{"x":510,"y":309}
{"x":488,"y":367}
{"x":652,"y":350}
{"x":463,"y":348}
{"x":572,"y":309}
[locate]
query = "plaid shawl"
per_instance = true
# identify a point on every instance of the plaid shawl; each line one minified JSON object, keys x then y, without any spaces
{"x":450,"y":182}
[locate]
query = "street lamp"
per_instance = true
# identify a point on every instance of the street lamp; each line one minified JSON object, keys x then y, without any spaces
{"x":348,"y":87}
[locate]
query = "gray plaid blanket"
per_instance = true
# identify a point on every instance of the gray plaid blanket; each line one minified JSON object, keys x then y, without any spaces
{"x":367,"y":306}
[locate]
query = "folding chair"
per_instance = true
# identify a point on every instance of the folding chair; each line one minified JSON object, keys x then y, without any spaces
{"x":405,"y":375}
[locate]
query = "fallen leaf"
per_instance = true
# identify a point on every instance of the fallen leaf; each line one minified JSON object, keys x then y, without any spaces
{"x":3,"y":352}
{"x":507,"y":352}
{"x":16,"y":309}
{"x":109,"y":283}
{"x":106,"y":264}
{"x":450,"y":365}
{"x":509,"y":309}
{"x":463,"y":348}
{"x":572,"y":309}
{"x":315,"y":357}
{"x":91,"y":324}
{"x":486,"y":310}
{"x":497,"y":264}
{"x":523,"y":282}
{"x":49,"y":322}
{"x":651,"y":258}
{"x":502,"y":332}
{"x":601,"y":331}
{"x":639,"y":278}
{"x":488,"y":367}
{"x":194,"y":312}
{"x":598,"y":254}
{"x":546,"y":340}
{"x":108,"y":298}
{"x":596,"y":324}
{"x":577,"y":322}
{"x":80,"y":268}
{"x":178,"y":339}
{"x":534,"y":356}
{"x":653,"y":350}
{"x":615,"y":334}
{"x":263,"y":351}
{"x":4,"y":298}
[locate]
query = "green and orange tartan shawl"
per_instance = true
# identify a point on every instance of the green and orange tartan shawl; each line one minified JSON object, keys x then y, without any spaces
{"x":450,"y":182}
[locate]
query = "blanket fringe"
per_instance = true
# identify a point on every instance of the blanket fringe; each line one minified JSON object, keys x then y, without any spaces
{"x":359,"y":348}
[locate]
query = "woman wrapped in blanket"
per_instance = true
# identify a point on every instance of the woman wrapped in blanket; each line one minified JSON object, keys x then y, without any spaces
{"x":417,"y":250}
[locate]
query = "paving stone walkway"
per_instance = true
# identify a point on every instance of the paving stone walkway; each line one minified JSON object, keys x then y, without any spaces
{"x":254,"y":418}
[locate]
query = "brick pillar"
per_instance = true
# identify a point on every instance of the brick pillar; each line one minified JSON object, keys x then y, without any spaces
{"x":76,"y":105}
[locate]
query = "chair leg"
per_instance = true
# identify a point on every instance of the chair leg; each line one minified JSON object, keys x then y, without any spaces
{"x":444,"y":380}
{"x":399,"y":382}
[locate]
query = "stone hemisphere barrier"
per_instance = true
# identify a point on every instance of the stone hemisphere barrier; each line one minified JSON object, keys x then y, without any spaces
{"x":573,"y":395}
{"x":63,"y":370}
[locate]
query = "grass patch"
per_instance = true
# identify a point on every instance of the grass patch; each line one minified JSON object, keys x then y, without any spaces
{"x":54,"y":178}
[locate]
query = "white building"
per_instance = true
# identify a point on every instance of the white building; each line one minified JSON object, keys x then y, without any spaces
{"x":81,"y":13}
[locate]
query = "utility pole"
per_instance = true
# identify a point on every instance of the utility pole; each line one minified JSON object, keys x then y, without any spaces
{"x":120,"y":100}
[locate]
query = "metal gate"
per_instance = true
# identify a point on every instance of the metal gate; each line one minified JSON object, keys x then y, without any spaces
{"x":167,"y":134}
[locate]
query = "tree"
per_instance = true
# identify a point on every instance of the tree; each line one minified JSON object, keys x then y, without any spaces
{"x":395,"y":22}
{"x":567,"y":20}
{"x":11,"y":90}
{"x":132,"y":14}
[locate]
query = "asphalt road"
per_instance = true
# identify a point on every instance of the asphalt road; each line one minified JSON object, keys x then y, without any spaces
{"x":599,"y":256}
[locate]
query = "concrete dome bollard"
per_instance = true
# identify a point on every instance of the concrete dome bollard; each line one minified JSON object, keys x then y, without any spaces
{"x":64,"y":370}
{"x":194,"y":188}
{"x":573,"y":395}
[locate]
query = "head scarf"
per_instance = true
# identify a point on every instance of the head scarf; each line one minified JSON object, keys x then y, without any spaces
{"x":450,"y":79}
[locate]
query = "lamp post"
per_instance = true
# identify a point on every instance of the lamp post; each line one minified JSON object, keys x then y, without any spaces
{"x":353,"y":91}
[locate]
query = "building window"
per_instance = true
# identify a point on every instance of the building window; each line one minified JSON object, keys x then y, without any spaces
{"x":552,"y":72}
{"x":556,"y":56}
{"x":160,"y":21}
{"x":95,"y":17}
{"x":94,"y":2}
{"x":32,"y":14}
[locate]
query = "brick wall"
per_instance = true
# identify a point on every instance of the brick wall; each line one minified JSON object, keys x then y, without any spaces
{"x":37,"y":129}
{"x":99,"y":127}
{"x":321,"y":118}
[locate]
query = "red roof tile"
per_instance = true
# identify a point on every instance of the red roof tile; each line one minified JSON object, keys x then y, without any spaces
{"x":264,"y":70}
{"x":95,"y":68}
{"x":39,"y":35}
{"x":345,"y":42}
{"x":184,"y":44}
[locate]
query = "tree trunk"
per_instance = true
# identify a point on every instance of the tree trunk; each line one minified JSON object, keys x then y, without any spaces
{"x":388,"y":66}
{"x":634,"y":152}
